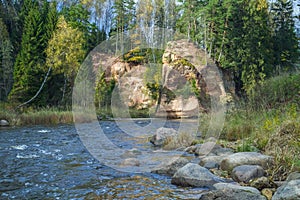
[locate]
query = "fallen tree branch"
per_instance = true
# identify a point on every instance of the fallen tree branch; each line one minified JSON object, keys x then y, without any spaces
{"x":38,"y":92}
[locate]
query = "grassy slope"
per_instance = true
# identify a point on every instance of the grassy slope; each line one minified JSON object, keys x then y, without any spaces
{"x":268,"y":122}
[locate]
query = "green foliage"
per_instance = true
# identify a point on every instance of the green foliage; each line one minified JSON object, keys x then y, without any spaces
{"x":29,"y":63}
{"x":276,"y":91}
{"x":286,"y":52}
{"x":65,"y":53}
{"x":103,"y":92}
{"x":249,"y":37}
{"x":6,"y":62}
{"x":135,"y":55}
{"x":190,"y":21}
{"x":247,"y":146}
{"x":153,"y":89}
{"x":272,"y":128}
{"x":143,"y":56}
{"x":78,"y":17}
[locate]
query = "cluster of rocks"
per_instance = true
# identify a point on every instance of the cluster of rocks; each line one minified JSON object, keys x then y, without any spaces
{"x":228,"y":175}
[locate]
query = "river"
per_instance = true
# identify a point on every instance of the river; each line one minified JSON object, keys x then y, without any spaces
{"x":51,"y":162}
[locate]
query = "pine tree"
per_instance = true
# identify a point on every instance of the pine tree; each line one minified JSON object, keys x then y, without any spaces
{"x":78,"y":17}
{"x":238,"y":37}
{"x":257,"y":57}
{"x":6,"y":62}
{"x":188,"y":22}
{"x":10,"y":12}
{"x":29,"y":63}
{"x":285,"y":40}
{"x":124,"y":20}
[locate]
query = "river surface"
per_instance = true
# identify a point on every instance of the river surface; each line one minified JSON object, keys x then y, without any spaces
{"x":52,"y":162}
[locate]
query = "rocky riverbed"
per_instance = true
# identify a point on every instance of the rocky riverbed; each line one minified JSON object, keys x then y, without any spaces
{"x":227,"y":174}
{"x":42,"y":162}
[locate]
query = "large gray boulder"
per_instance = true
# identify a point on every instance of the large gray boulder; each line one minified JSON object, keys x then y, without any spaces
{"x":162,"y":135}
{"x":293,"y":176}
{"x":170,"y":167}
{"x":210,"y":162}
{"x":246,"y":158}
{"x":231,"y":194}
{"x":4,"y":122}
{"x":288,"y":191}
{"x":196,"y":176}
{"x":245,"y":173}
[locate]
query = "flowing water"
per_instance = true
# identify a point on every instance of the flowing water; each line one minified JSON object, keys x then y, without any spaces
{"x":42,"y":162}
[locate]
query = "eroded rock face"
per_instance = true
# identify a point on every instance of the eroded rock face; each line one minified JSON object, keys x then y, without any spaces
{"x":288,"y":191}
{"x":132,"y":88}
{"x":196,"y":176}
{"x":246,"y":158}
{"x":184,"y":65}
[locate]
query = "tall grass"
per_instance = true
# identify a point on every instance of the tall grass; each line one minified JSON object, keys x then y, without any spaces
{"x":268,"y":121}
{"x":35,"y":117}
{"x":46,"y":117}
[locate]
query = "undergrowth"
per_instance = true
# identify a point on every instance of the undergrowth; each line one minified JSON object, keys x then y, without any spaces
{"x":267,"y":122}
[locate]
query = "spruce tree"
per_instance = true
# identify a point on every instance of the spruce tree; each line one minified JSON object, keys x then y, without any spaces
{"x":6,"y":62}
{"x":285,"y":40}
{"x":29,"y":64}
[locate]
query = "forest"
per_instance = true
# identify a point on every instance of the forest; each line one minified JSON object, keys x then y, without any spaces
{"x":43,"y":43}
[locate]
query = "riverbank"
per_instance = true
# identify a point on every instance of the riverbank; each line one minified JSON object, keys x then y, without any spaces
{"x":230,"y":172}
{"x":39,"y":117}
{"x":268,"y":121}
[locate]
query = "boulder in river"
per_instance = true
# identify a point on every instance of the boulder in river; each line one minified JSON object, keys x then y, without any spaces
{"x":4,"y":122}
{"x":210,"y":162}
{"x":131,"y":162}
{"x":196,"y":176}
{"x":245,"y":173}
{"x":171,"y":166}
{"x":162,"y":135}
{"x":293,"y":176}
{"x":288,"y":191}
{"x":246,"y":158}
